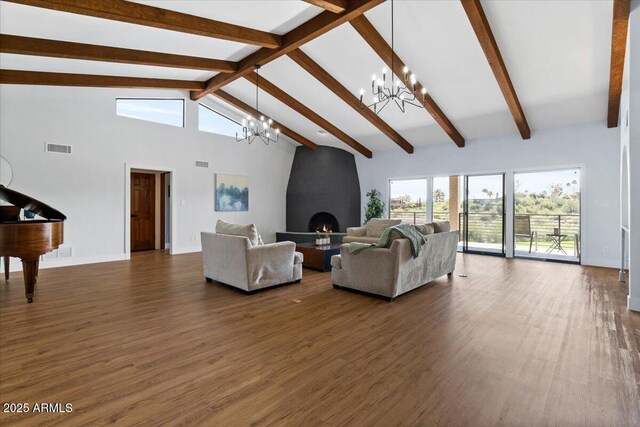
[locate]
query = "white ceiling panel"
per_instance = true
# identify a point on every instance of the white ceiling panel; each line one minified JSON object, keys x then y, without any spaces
{"x":283,"y":15}
{"x":557,"y":54}
{"x":61,"y":65}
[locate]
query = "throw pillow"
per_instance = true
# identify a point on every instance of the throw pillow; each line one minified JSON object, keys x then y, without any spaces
{"x":441,"y":226}
{"x":425,"y":229}
{"x":376,"y":226}
{"x":247,"y":230}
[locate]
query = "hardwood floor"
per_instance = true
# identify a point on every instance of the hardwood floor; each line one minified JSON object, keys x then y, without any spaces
{"x":149,"y":342}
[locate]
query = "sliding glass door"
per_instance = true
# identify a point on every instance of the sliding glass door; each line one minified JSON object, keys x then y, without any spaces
{"x":546,"y":221}
{"x":483,"y":214}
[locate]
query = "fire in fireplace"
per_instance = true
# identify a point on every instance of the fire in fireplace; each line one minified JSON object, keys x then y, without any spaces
{"x":324,"y":222}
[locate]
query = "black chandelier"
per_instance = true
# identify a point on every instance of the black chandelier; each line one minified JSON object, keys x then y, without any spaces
{"x":258,"y":128}
{"x":402,"y":93}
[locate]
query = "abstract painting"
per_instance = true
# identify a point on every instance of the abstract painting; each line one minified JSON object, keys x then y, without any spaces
{"x":232,"y":193}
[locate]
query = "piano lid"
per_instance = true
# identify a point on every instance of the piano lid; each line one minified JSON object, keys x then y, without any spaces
{"x":30,"y":204}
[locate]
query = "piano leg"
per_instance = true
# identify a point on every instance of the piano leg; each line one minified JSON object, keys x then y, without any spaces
{"x":30,"y":272}
{"x":6,"y":267}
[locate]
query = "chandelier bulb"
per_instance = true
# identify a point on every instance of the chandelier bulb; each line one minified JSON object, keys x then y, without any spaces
{"x":270,"y":121}
{"x":277,"y":131}
{"x":373,"y":78}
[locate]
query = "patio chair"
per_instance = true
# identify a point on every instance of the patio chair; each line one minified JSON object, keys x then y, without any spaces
{"x":522,"y":228}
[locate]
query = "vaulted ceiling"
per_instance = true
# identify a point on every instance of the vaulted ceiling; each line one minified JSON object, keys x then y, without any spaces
{"x":556,"y":56}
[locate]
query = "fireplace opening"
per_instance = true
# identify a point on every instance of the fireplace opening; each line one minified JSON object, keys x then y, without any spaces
{"x":324,"y":222}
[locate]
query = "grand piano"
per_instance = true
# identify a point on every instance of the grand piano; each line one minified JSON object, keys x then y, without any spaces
{"x":28,"y":239}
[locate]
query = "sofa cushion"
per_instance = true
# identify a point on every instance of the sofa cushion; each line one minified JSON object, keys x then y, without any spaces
{"x":360,"y":239}
{"x":441,"y":226}
{"x":425,"y":229}
{"x":376,"y":226}
{"x":394,"y":235}
{"x":298,"y":257}
{"x":357,"y":231}
{"x":247,"y":230}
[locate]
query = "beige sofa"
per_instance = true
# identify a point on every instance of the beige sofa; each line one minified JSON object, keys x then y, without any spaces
{"x":237,"y":258}
{"x":389,"y":272}
{"x":370,"y":232}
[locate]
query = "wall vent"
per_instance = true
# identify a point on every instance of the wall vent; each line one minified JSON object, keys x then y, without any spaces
{"x":200,"y":164}
{"x":57,"y":148}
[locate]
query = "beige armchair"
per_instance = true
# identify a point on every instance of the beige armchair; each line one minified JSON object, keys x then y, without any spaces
{"x":370,"y":232}
{"x":235,"y":261}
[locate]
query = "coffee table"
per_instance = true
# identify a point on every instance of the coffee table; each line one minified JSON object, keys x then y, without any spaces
{"x":318,"y":257}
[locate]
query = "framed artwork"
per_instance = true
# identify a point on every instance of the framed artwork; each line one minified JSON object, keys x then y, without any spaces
{"x":232,"y":193}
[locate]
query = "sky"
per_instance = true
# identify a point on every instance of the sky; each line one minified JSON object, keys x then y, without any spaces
{"x":533,"y":182}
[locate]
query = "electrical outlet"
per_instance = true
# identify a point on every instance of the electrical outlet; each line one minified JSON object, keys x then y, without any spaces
{"x":65,"y":252}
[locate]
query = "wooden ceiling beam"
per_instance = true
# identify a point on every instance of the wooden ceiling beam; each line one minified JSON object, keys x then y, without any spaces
{"x":306,"y":112}
{"x":342,"y":92}
{"x":369,"y":33}
{"x":315,"y":27}
{"x":60,"y":49}
{"x":335,"y":6}
{"x":481,"y":27}
{"x":89,"y":80}
{"x":150,"y":16}
{"x":255,"y":113}
{"x":619,"y":30}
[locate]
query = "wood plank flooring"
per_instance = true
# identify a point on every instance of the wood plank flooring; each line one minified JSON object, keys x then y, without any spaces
{"x":149,"y":342}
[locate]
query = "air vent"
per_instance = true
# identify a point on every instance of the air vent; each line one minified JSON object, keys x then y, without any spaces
{"x":58,"y":148}
{"x":200,"y":164}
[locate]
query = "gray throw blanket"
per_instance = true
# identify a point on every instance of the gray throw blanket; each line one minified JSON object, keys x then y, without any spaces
{"x":407,"y":231}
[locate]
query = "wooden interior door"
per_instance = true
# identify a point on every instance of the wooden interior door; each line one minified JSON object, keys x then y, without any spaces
{"x":143,"y":211}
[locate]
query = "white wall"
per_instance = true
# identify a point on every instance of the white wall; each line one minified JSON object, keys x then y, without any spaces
{"x":630,"y":143}
{"x":89,"y":185}
{"x":591,"y":146}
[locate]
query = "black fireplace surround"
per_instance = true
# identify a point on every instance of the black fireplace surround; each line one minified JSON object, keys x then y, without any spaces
{"x":323,"y":190}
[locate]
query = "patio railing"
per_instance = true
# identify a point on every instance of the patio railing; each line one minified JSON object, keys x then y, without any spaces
{"x":487,"y":227}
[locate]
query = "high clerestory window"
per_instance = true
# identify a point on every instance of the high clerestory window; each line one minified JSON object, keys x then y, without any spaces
{"x":209,"y":120}
{"x":164,"y":111}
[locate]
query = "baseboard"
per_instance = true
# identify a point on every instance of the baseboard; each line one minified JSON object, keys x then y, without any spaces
{"x":186,"y":250}
{"x":600,"y":262}
{"x":633,"y":303}
{"x":16,"y":265}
